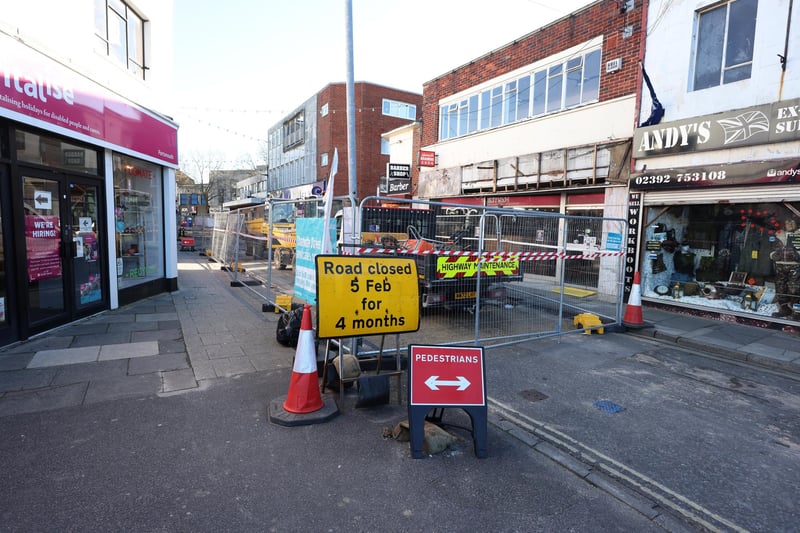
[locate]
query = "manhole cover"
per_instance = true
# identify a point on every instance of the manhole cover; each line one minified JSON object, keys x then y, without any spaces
{"x":533,"y":395}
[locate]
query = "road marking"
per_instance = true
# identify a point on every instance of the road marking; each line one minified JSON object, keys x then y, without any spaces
{"x":663,"y":495}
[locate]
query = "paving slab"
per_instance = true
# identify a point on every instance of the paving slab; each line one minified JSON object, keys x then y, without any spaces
{"x":41,"y":343}
{"x":169,"y":324}
{"x":125,"y":351}
{"x":66,"y":356}
{"x":43,"y":400}
{"x":232,"y":366}
{"x":158,"y":363}
{"x":142,"y":385}
{"x":203,"y":370}
{"x":118,"y":337}
{"x":224,"y":351}
{"x":171,"y":346}
{"x":84,"y":328}
{"x":132,"y":326}
{"x":16,"y":380}
{"x":156,"y":335}
{"x":83,"y":372}
{"x":15,"y":361}
{"x":155,"y":317}
{"x":177,"y":380}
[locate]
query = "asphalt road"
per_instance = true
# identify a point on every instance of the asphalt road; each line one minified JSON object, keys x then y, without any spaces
{"x":587,"y":433}
{"x":211,"y":461}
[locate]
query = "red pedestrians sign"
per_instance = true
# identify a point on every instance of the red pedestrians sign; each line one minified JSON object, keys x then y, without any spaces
{"x":446,"y":376}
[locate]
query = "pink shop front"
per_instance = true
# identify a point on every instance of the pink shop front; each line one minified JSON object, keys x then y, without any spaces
{"x":86,"y":197}
{"x":720,"y":241}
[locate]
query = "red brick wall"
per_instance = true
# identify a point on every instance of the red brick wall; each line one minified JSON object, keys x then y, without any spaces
{"x":370,"y":124}
{"x":601,"y":18}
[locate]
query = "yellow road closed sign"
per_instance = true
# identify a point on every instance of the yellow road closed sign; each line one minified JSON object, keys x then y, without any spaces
{"x":366,"y":295}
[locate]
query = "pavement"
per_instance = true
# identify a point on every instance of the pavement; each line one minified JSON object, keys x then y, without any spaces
{"x":209,"y":332}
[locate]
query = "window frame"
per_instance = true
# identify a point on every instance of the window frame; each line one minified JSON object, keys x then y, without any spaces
{"x":712,"y":64}
{"x":398,"y":109}
{"x":293,"y":131}
{"x":125,"y":42}
{"x":550,"y":88}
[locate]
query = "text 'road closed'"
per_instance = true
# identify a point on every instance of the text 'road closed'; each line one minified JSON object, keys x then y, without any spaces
{"x":360,"y":295}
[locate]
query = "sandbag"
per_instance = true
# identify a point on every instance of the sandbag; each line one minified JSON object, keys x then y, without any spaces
{"x":436,"y":439}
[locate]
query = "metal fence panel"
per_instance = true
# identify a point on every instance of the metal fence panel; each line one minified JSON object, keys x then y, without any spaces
{"x":488,"y":276}
{"x":494,"y":276}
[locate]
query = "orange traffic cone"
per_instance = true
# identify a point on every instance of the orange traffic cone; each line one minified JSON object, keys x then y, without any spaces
{"x":633,"y":311}
{"x":304,"y":395}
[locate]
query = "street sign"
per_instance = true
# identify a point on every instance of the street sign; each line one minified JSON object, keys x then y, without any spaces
{"x":366,"y":295}
{"x":446,"y":376}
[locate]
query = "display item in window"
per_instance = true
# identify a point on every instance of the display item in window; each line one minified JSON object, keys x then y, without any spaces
{"x":658,"y":264}
{"x":670,"y":244}
{"x":684,"y":263}
{"x":787,"y":271}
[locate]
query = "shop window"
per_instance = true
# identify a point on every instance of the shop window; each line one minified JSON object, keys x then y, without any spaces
{"x":741,"y":257}
{"x":138,"y":216}
{"x":54,"y":152}
{"x":4,"y":150}
{"x":724,"y":47}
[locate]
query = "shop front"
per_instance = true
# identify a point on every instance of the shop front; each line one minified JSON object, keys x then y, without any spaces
{"x":722,"y":239}
{"x":85,"y":176}
{"x":581,"y":228}
{"x":715,"y":208}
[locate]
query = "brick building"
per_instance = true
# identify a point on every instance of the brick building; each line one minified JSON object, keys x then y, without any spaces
{"x":543,"y":123}
{"x":301,"y":146}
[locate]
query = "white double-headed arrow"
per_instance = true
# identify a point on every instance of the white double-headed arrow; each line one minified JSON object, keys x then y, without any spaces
{"x":434,"y":383}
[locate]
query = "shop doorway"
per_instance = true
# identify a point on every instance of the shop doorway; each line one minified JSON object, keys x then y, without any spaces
{"x":8,"y":326}
{"x":64,"y":250}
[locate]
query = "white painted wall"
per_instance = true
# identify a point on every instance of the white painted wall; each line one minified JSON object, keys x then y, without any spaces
{"x":668,"y":61}
{"x":64,"y":31}
{"x":668,"y":57}
{"x":401,"y":144}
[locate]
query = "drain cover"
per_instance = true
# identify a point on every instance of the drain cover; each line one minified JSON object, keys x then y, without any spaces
{"x":608,"y":407}
{"x":533,"y":395}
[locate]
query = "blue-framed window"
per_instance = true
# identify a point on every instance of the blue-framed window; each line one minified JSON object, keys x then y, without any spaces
{"x":558,"y":86}
{"x":393,"y":108}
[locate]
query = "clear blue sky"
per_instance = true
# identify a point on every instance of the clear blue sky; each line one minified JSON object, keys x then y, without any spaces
{"x":241,"y":65}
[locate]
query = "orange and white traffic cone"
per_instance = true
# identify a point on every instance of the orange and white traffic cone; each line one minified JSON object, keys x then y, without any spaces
{"x":304,"y":395}
{"x":633,"y":310}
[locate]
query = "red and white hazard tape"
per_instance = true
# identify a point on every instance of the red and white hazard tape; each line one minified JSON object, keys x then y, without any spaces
{"x":489,"y":256}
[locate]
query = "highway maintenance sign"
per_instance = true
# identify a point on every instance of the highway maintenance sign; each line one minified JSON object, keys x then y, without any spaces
{"x":453,"y":267}
{"x":450,"y":376}
{"x":366,"y":295}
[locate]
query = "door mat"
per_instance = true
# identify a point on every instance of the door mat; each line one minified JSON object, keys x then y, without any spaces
{"x":572,"y":291}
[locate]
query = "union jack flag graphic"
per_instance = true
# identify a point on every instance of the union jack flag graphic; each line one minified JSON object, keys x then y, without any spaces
{"x":744,"y":126}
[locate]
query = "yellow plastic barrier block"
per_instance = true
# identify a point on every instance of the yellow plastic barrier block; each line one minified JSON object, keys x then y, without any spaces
{"x":587,"y":320}
{"x":283,"y":301}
